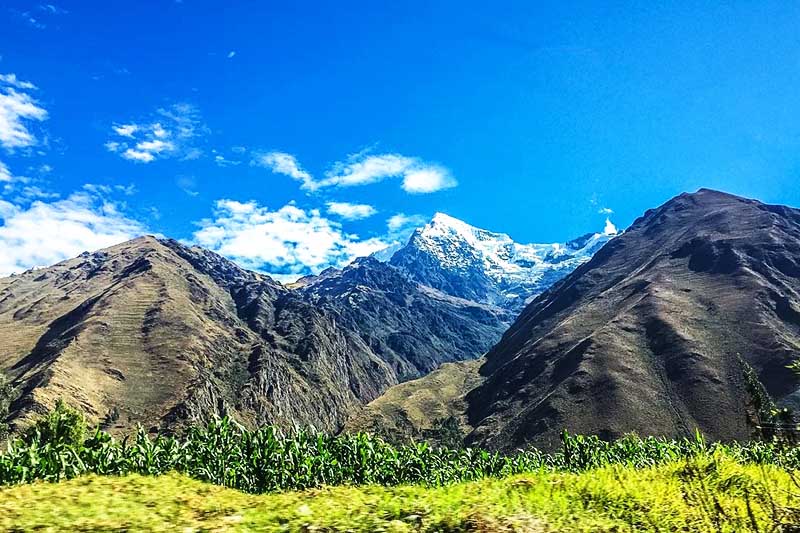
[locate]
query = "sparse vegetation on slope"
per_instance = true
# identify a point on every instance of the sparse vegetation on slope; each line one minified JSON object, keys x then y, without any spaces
{"x":155,"y":333}
{"x":431,"y":408}
{"x":6,"y":396}
{"x":644,"y":337}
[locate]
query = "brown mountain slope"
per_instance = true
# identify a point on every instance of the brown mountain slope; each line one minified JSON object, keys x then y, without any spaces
{"x":652,"y":335}
{"x":156,"y":333}
{"x":431,"y":408}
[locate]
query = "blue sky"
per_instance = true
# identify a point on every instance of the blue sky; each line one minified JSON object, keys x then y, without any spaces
{"x":288,"y":135}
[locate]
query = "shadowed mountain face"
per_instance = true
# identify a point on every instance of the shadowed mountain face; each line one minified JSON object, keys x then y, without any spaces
{"x":656,"y":332}
{"x":157,"y":333}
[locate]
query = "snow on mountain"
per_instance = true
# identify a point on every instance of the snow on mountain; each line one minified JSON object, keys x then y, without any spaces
{"x":468,"y":262}
{"x":386,"y":254}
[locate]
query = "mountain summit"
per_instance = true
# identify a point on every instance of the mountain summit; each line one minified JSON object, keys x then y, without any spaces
{"x":156,"y":333}
{"x":690,"y":319}
{"x":479,"y":265}
{"x":687,"y":320}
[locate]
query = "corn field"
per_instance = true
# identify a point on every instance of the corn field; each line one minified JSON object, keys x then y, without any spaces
{"x":267,"y":460}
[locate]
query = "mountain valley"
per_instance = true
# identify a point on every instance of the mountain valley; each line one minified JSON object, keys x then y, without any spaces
{"x":688,"y":319}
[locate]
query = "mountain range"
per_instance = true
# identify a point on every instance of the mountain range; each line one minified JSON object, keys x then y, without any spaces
{"x":464,"y":261}
{"x":689,"y":319}
{"x":157,"y":333}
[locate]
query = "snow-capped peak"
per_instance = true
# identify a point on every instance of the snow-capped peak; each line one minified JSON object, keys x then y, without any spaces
{"x":444,"y":226}
{"x":444,"y":218}
{"x":610,"y":228}
{"x":451,"y":255}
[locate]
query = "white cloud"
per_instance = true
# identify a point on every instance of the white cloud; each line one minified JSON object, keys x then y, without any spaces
{"x":187,"y":184}
{"x":16,"y":109}
{"x":192,"y":153}
{"x":361,"y":170}
{"x":45,"y":233}
{"x":5,"y":173}
{"x":286,"y":164}
{"x":126,"y":130}
{"x":290,"y":240}
{"x":363,"y":248}
{"x":418,"y":177}
{"x":606,"y":211}
{"x":12,"y":80}
{"x":221,"y":161}
{"x":155,"y":146}
{"x":23,"y":189}
{"x":159,"y":131}
{"x":231,"y":54}
{"x":427,"y":179}
{"x":398,"y":230}
{"x":29,"y":19}
{"x":401,"y":222}
{"x":350,"y":211}
{"x":95,"y":188}
{"x":138,"y":155}
{"x":7,"y":209}
{"x":184,"y":117}
{"x":10,"y":181}
{"x":53,"y":9}
{"x":170,"y":134}
{"x":37,"y":193}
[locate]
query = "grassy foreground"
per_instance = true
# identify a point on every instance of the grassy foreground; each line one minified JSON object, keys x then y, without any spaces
{"x":266,"y":460}
{"x":702,"y":494}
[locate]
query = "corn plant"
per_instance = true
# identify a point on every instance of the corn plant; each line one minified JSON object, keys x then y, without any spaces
{"x":268,"y":460}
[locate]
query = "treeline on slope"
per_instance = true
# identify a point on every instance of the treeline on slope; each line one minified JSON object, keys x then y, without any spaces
{"x":769,"y":420}
{"x":7,"y":392}
{"x":267,"y":460}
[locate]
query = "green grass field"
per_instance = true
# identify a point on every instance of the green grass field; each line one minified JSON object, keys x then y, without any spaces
{"x":702,"y":494}
{"x":223,"y":477}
